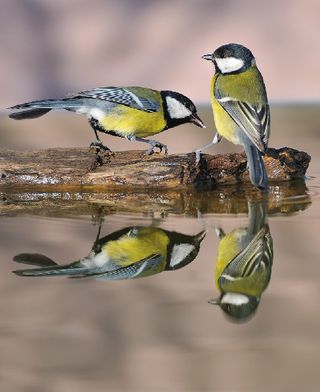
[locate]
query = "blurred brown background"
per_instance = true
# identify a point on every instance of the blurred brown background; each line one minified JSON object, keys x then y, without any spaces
{"x":53,"y":48}
{"x":158,"y":334}
{"x":49,"y":48}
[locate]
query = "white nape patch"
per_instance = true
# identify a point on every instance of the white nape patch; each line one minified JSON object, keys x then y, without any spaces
{"x":229,"y":64}
{"x":234,"y":299}
{"x":96,"y":113}
{"x":176,"y":109}
{"x":179,"y":253}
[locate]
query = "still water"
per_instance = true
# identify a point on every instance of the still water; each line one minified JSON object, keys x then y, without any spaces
{"x":209,"y":291}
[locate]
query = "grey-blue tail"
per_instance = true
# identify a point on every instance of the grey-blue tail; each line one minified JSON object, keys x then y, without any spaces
{"x":47,"y":267}
{"x":36,"y":109}
{"x":30,"y":113}
{"x":257,"y":169}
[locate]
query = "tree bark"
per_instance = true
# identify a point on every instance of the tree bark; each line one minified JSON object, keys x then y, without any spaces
{"x":133,"y":170}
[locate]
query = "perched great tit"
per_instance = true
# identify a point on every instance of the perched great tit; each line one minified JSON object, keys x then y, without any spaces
{"x":133,"y":252}
{"x":240,"y":106}
{"x":129,"y":112}
{"x":243,"y":266}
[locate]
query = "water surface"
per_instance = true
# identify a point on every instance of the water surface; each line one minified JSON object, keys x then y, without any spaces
{"x":159,"y":332}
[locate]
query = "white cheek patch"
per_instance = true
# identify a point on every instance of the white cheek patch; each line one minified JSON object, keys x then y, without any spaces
{"x":234,"y":299}
{"x":179,"y":253}
{"x":229,"y":64}
{"x":176,"y":109}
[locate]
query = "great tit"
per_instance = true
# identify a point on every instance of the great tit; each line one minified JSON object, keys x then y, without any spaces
{"x":129,"y":112}
{"x":240,"y":106}
{"x":243,"y":266}
{"x":133,"y":252}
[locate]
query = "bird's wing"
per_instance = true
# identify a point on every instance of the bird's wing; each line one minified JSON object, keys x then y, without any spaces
{"x":145,"y":267}
{"x":251,"y":257}
{"x":134,"y":97}
{"x":254,"y":120}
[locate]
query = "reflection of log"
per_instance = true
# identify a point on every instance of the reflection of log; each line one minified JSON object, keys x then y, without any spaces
{"x":131,"y":169}
{"x":284,"y":198}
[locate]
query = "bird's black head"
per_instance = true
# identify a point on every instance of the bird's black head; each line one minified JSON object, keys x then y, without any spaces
{"x":237,"y":307}
{"x":179,"y":109}
{"x":183,"y":249}
{"x":231,"y":58}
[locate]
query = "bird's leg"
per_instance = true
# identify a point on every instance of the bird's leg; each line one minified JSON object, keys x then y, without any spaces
{"x":152,"y":144}
{"x":95,"y":246}
{"x":217,"y":139}
{"x":98,"y":145}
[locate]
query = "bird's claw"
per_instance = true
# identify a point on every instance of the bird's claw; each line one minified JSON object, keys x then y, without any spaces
{"x":217,"y":139}
{"x":153,"y":145}
{"x":99,"y":146}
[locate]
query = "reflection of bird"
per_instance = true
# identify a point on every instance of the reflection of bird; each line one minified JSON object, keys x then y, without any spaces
{"x":240,"y":106}
{"x":125,"y":254}
{"x":129,"y":112}
{"x":243,"y":267}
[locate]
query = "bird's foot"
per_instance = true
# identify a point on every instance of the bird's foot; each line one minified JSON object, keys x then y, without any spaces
{"x":99,"y":146}
{"x":103,"y":154}
{"x":154,"y":144}
{"x":217,"y":139}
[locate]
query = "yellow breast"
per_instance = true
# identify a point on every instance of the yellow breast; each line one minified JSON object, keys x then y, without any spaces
{"x":225,"y":126}
{"x":229,"y":246}
{"x":130,"y":249}
{"x":128,"y":121}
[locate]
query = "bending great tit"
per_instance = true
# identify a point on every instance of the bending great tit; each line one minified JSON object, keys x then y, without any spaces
{"x":243,"y":266}
{"x":129,"y":112}
{"x":240,"y":106}
{"x":133,"y":252}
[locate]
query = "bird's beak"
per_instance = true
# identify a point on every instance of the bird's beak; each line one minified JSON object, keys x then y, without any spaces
{"x":200,"y":236}
{"x":214,"y":301}
{"x":208,"y":57}
{"x":195,"y":119}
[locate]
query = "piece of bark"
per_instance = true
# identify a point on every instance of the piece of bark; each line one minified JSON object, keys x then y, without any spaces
{"x":132,"y":169}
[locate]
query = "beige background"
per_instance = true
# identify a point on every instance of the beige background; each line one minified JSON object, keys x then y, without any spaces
{"x":49,"y":48}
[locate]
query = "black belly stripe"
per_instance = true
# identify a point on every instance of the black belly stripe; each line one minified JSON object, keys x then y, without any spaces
{"x":97,"y":127}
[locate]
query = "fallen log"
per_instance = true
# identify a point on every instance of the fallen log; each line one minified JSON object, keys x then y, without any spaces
{"x":85,"y":167}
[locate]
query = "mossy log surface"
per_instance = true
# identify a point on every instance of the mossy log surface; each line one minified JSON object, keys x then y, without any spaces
{"x":84,"y":167}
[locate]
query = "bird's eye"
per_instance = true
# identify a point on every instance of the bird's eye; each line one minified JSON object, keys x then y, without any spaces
{"x":189,"y":106}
